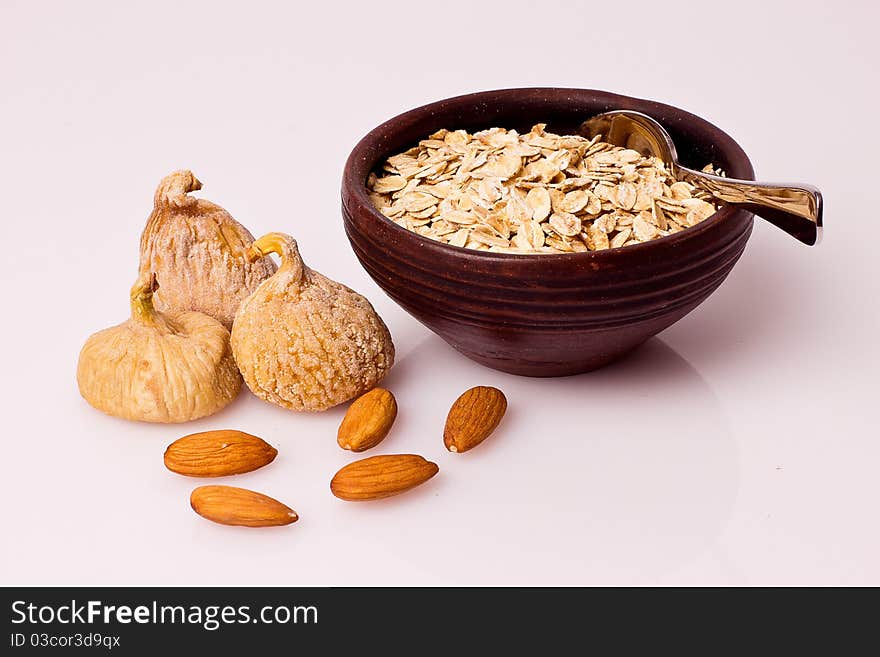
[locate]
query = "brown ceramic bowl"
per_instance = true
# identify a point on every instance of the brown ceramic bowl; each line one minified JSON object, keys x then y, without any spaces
{"x":544,"y":315}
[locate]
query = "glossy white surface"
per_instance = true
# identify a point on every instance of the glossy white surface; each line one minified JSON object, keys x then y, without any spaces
{"x":741,"y":447}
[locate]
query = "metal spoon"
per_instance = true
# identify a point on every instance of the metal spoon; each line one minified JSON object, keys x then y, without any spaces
{"x":795,"y":208}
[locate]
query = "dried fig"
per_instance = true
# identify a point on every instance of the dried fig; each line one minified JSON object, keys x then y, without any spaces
{"x":305,"y":342}
{"x":156,"y":367}
{"x":197,"y":250}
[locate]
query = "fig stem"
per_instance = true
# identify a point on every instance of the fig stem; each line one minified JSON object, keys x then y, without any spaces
{"x":142,"y":299}
{"x":286,"y":248}
{"x":174,"y":187}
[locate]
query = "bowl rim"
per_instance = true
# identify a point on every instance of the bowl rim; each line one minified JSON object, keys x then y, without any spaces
{"x":356,"y":189}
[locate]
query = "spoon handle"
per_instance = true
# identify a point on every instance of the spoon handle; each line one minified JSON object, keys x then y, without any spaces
{"x":793,"y":207}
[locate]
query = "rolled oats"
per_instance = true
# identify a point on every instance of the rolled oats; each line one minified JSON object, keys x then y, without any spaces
{"x":499,"y":191}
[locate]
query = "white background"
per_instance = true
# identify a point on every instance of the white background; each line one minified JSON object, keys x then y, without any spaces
{"x":740,"y":447}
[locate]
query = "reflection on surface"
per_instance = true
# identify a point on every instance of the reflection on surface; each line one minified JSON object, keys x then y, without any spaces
{"x":625,"y":474}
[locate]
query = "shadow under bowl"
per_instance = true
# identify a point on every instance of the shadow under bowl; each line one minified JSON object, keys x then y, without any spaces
{"x":554,"y":314}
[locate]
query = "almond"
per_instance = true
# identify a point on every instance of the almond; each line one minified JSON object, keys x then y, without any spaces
{"x":381,"y":476}
{"x":367,"y":421}
{"x":228,"y":505}
{"x":473,"y":417}
{"x":218,"y":454}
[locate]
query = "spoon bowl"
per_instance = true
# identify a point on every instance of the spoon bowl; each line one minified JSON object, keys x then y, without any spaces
{"x":793,"y":207}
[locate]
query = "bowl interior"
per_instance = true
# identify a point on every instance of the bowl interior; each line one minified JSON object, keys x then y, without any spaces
{"x":563,"y":110}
